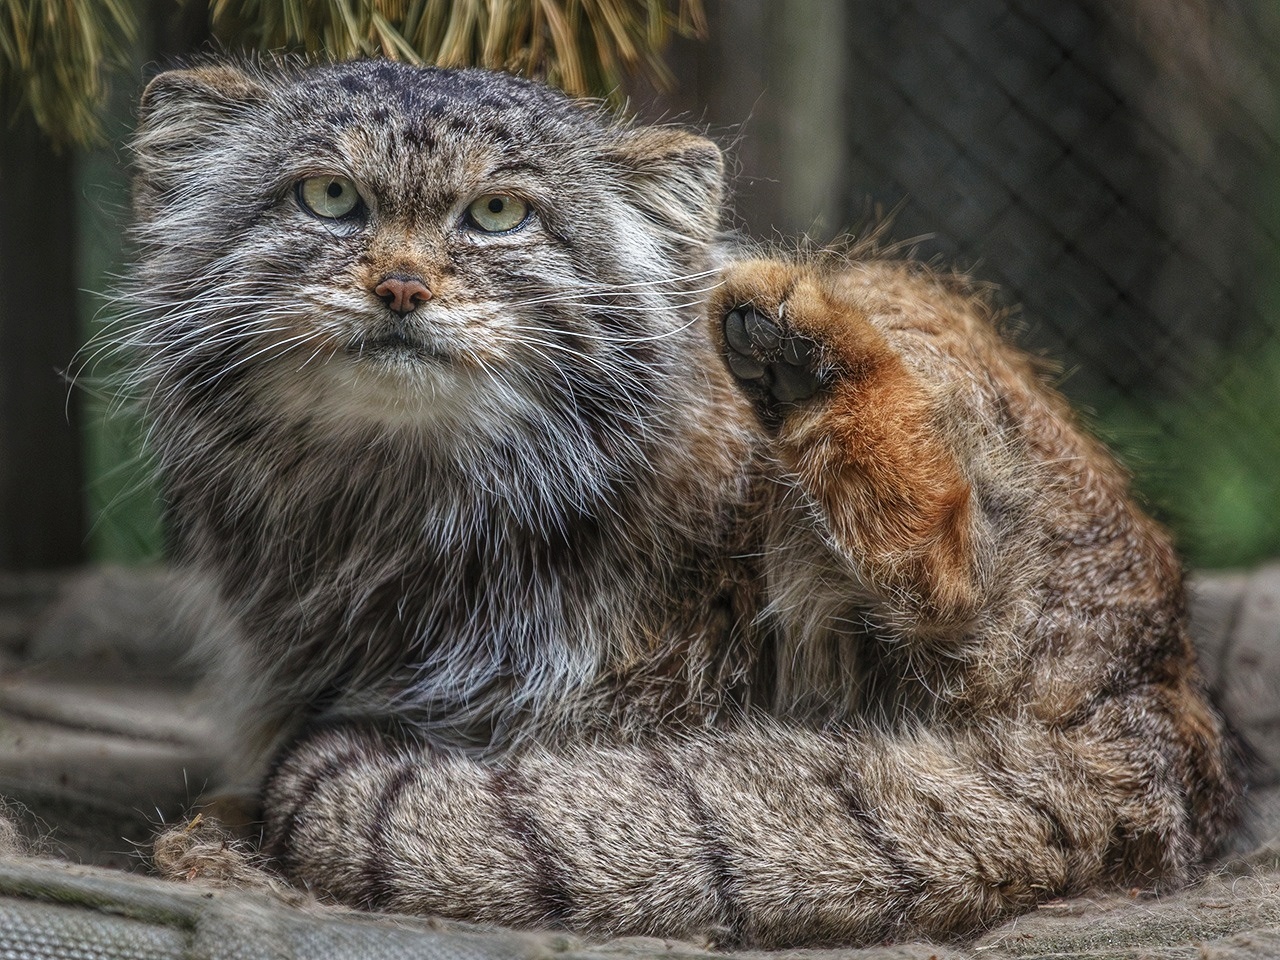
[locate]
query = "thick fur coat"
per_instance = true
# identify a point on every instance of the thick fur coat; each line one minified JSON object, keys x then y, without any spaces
{"x":592,"y":573}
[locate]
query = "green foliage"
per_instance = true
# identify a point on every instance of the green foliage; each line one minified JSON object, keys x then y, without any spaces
{"x":54,"y":56}
{"x":123,"y":496}
{"x":1214,"y":471}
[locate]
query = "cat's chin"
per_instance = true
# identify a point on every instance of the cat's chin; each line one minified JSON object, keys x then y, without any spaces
{"x":381,"y":387}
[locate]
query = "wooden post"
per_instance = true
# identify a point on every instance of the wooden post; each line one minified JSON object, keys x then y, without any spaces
{"x":769,"y":82}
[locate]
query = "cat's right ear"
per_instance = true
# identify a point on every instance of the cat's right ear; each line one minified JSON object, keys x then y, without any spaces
{"x":215,"y":88}
{"x":185,"y":109}
{"x":184,"y":116}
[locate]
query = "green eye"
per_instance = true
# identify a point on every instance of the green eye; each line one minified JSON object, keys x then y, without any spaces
{"x":329,"y":197}
{"x":497,"y":212}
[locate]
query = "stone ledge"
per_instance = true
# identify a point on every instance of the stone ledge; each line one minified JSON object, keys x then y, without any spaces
{"x":54,"y":909}
{"x":1235,"y":619}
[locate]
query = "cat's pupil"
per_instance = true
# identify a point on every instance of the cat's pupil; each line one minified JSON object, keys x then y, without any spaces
{"x":334,"y":189}
{"x":495,"y":205}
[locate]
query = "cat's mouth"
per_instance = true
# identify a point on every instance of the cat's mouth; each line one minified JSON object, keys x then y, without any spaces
{"x":395,"y":346}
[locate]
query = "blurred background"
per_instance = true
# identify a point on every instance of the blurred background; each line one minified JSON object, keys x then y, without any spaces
{"x":1111,"y":167}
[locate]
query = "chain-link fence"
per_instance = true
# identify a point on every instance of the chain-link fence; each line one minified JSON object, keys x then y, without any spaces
{"x":1112,"y":166}
{"x":1040,"y":139}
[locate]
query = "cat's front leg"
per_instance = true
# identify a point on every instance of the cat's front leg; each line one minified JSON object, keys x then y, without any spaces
{"x":857,"y":426}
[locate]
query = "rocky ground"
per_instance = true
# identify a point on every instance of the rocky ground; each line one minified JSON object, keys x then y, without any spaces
{"x":103,"y":737}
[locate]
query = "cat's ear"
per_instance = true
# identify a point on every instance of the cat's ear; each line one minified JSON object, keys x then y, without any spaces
{"x":215,"y":88}
{"x":185,"y":116}
{"x":183,"y":112}
{"x":674,"y":177}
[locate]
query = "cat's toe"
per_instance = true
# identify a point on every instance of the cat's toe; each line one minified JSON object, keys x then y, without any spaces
{"x":750,"y":340}
{"x":776,"y":364}
{"x":749,"y":331}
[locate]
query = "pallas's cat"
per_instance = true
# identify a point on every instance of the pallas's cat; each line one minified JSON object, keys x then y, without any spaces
{"x":591,"y":573}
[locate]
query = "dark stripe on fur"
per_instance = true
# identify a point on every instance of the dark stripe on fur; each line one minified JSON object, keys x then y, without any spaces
{"x":550,"y":884}
{"x":909,"y":881}
{"x":279,"y":842}
{"x":1059,"y":838}
{"x":995,"y":772}
{"x":378,"y":881}
{"x":725,"y":878}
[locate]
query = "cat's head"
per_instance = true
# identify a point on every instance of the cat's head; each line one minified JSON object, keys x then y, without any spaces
{"x":375,"y":243}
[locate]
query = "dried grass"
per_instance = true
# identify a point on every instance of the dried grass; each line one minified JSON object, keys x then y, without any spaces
{"x":56,"y":54}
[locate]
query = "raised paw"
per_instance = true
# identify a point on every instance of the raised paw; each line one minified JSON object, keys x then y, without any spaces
{"x":775,"y":364}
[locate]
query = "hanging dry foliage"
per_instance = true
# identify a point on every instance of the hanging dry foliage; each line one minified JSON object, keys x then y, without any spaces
{"x":587,"y":47}
{"x":54,"y":53}
{"x":53,"y":60}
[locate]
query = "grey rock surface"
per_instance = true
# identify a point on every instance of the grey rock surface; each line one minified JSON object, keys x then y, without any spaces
{"x":103,"y":737}
{"x":23,"y":598}
{"x":55,"y":909}
{"x":1236,"y":622}
{"x":144,"y":618}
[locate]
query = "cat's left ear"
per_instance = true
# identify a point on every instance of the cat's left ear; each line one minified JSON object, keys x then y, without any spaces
{"x":675,"y":177}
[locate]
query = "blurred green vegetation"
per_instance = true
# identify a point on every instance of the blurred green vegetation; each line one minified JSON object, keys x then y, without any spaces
{"x":1212,"y":471}
{"x":1208,"y":461}
{"x":123,"y":500}
{"x":126,"y":523}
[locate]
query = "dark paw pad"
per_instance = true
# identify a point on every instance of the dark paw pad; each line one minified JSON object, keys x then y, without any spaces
{"x":766,"y":356}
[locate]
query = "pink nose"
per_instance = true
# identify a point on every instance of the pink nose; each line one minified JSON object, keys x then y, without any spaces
{"x":402,"y":294}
